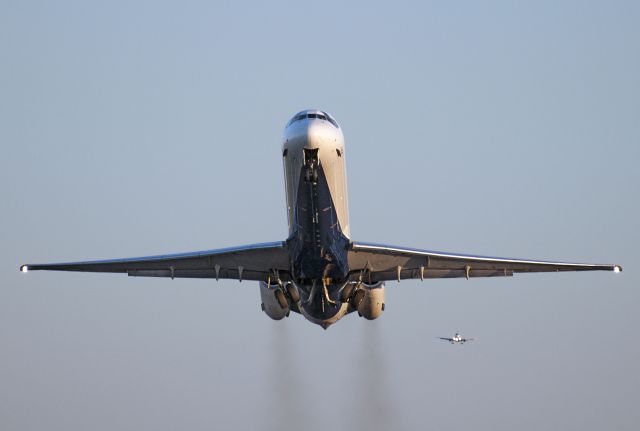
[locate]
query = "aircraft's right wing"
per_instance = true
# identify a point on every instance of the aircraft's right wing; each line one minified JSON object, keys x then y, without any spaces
{"x":377,"y":262}
{"x":249,"y":262}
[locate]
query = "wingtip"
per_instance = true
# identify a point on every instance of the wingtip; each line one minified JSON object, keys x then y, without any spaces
{"x":24,"y":268}
{"x":617,"y":268}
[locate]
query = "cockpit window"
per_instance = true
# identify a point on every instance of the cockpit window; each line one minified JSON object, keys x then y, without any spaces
{"x":323,"y":116}
{"x":331,"y":120}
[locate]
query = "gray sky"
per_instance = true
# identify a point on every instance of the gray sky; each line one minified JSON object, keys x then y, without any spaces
{"x":498,"y":128}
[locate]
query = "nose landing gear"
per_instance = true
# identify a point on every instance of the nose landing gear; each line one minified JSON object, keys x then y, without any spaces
{"x":311,"y":165}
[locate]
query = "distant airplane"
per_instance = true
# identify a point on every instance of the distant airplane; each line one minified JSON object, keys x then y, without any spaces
{"x":318,"y":271}
{"x":457,"y":338}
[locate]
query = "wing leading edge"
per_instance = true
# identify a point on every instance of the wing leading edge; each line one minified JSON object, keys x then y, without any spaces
{"x":250,"y":262}
{"x":385,"y":262}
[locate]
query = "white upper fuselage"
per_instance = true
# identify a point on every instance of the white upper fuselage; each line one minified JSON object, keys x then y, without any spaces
{"x":312,"y":129}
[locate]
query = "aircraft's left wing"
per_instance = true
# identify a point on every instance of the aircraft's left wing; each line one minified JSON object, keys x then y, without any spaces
{"x":377,"y":262}
{"x":250,"y":262}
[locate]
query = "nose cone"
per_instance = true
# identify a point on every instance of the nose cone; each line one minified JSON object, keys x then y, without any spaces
{"x":320,"y":133}
{"x":311,"y":133}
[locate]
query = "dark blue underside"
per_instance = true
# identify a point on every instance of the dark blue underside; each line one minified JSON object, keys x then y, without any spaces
{"x":317,"y":247}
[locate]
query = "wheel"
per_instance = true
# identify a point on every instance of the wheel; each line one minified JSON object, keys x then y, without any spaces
{"x":358,"y":297}
{"x":293,"y":293}
{"x":281,"y":299}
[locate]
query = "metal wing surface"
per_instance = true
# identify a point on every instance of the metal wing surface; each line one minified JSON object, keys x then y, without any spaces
{"x":250,"y":262}
{"x":384,"y":262}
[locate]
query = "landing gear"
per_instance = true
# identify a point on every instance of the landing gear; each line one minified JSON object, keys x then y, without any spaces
{"x":282,"y":300}
{"x":353,"y":295}
{"x":357,"y":298}
{"x":293,"y":293}
{"x":311,"y":175}
{"x":311,"y":165}
{"x":347,"y":291}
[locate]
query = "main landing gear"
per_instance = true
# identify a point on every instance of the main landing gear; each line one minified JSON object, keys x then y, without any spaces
{"x":352,"y":295}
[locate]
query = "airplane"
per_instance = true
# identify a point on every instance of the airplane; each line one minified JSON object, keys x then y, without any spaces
{"x":457,"y":338}
{"x":318,"y":271}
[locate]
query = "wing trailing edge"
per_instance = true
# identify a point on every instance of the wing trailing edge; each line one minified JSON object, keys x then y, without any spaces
{"x":385,"y":262}
{"x":249,"y":262}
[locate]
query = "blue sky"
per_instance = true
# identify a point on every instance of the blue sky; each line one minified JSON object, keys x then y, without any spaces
{"x":497,"y":128}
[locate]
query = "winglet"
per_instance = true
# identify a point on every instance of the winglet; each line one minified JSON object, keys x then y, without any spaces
{"x":24,"y":268}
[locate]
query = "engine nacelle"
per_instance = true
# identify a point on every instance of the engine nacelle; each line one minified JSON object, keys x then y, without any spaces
{"x":272,"y":301}
{"x":372,"y":304}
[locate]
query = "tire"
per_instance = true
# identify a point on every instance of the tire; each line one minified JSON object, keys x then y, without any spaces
{"x":281,"y":299}
{"x":293,"y":293}
{"x":358,"y":297}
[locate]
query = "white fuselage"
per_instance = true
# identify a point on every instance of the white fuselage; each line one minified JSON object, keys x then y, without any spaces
{"x":315,"y":178}
{"x":317,"y":213}
{"x":323,"y":135}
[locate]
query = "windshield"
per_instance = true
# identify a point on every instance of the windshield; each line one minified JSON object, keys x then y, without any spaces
{"x":313,"y":115}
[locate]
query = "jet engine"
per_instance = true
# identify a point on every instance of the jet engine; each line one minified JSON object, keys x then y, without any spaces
{"x":274,"y":301}
{"x":369,"y":300}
